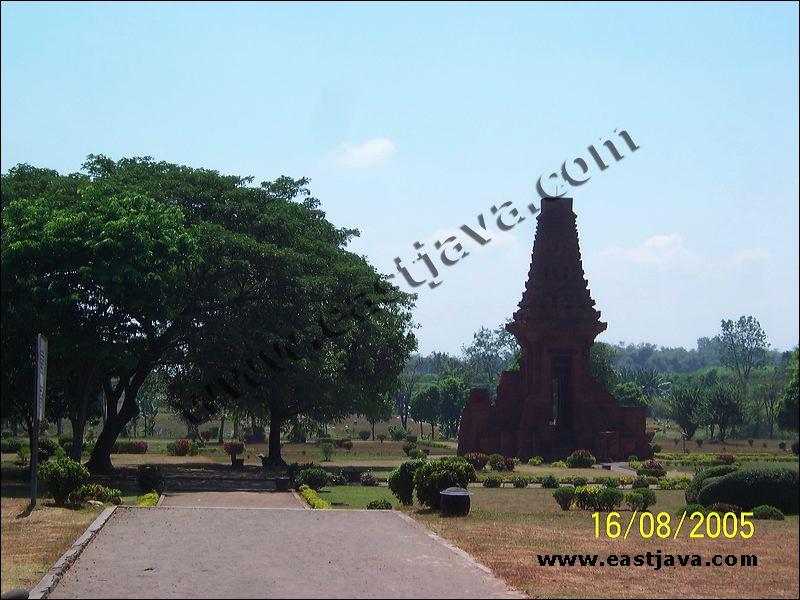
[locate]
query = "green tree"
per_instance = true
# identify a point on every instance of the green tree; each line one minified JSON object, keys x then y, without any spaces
{"x":426,"y":406}
{"x":453,"y":398}
{"x":601,"y":365}
{"x":491,"y":352}
{"x":630,"y":394}
{"x":685,"y":405}
{"x":724,"y":407}
{"x":743,"y":347}
{"x":788,"y":411}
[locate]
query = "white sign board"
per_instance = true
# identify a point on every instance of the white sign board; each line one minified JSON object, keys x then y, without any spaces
{"x":41,"y":375}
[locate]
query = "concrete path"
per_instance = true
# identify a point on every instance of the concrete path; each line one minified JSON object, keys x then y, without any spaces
{"x":232,"y":500}
{"x":264,"y":553}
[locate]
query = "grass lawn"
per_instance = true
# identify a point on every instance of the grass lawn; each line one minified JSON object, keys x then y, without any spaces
{"x":507,"y":528}
{"x":32,"y":543}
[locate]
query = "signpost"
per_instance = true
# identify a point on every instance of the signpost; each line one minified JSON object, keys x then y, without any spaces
{"x":38,"y":408}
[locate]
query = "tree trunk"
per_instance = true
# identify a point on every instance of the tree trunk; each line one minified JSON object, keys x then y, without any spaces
{"x":236,"y":427}
{"x":221,"y":436}
{"x":274,"y":458}
{"x":100,"y":460}
{"x":59,"y":427}
{"x":77,"y":438}
{"x":421,"y":434}
{"x":432,"y":436}
{"x":372,"y":424}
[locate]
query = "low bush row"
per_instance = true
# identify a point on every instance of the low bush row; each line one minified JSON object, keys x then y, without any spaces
{"x":311,"y":497}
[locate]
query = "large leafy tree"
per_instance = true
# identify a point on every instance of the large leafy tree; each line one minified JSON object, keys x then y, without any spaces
{"x":136,"y":264}
{"x":96,"y":272}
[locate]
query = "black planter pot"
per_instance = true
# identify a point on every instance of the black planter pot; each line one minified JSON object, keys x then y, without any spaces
{"x":281,"y":484}
{"x":454,"y":502}
{"x":354,"y":476}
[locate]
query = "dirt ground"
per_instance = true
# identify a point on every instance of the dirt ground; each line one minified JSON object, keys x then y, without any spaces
{"x":253,"y":553}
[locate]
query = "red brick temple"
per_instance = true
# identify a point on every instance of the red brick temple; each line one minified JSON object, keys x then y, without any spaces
{"x":552,"y":406}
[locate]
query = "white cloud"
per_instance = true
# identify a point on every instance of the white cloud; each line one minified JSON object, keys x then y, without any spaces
{"x":370,"y":153}
{"x":669,"y":250}
{"x":663,"y":249}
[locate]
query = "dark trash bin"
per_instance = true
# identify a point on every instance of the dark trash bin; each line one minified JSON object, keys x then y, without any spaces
{"x":455,"y":502}
{"x":281,"y":484}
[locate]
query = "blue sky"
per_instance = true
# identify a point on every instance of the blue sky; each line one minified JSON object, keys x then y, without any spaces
{"x":413,"y":119}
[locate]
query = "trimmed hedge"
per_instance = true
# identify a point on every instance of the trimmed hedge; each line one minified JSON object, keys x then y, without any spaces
{"x":310,"y":496}
{"x":748,"y":488}
{"x":435,"y":476}
{"x":699,"y":481}
{"x":768,"y":513}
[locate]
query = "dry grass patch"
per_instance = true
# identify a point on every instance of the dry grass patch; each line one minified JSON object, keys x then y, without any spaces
{"x":507,"y":528}
{"x":31,"y":544}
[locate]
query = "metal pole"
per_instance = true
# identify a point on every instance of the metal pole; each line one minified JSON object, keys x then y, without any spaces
{"x":34,"y":461}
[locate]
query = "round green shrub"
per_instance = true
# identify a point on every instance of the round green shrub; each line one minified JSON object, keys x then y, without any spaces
{"x":580,"y":459}
{"x":640,"y":499}
{"x":609,"y":498}
{"x":564,"y":496}
{"x":63,"y":476}
{"x":579,"y":481}
{"x":381,"y":504}
{"x":550,"y":481}
{"x":150,"y":478}
{"x":435,"y":476}
{"x":416,"y":454}
{"x":748,"y":488}
{"x":586,"y":497}
{"x":609,"y":482}
{"x":316,"y":479}
{"x":10,"y":446}
{"x":520,"y":482}
{"x":401,"y":481}
{"x":478,"y":460}
{"x":496,"y":462}
{"x":492,"y":482}
{"x":559,"y":464}
{"x":700,"y":478}
{"x":47,"y":449}
{"x":364,"y":435}
{"x":535,"y":461}
{"x":408,"y":447}
{"x":368,"y":479}
{"x":651,"y":468}
{"x":767,"y":512}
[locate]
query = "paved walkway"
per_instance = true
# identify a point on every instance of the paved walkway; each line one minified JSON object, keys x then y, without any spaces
{"x":232,"y":500}
{"x":171,"y":552}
